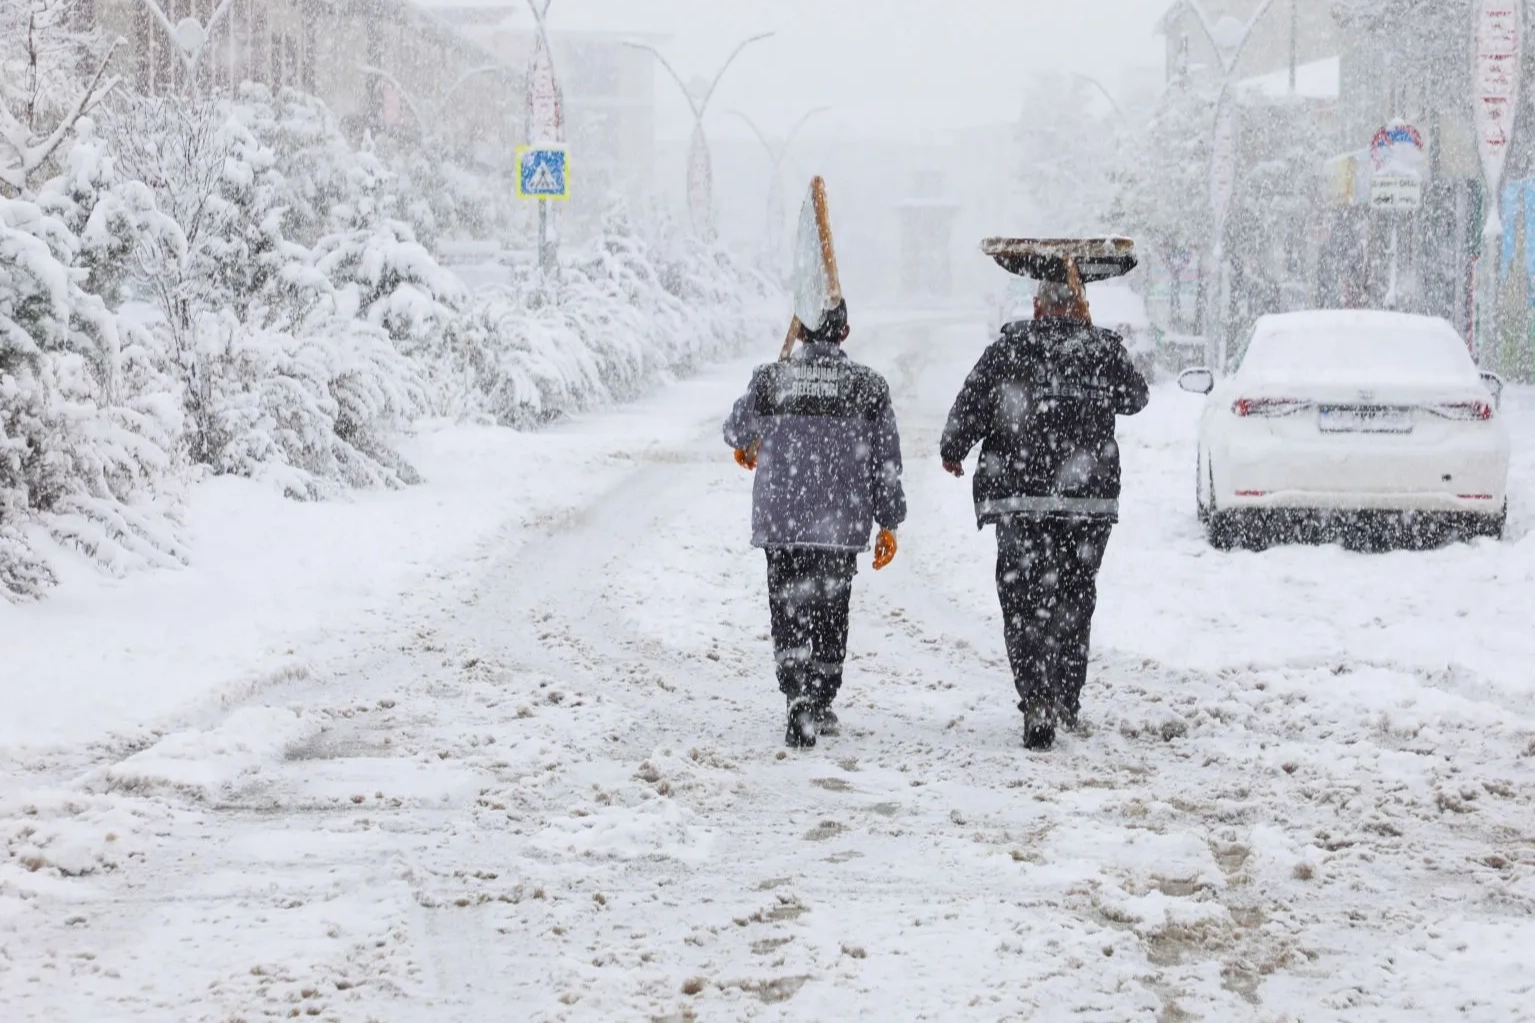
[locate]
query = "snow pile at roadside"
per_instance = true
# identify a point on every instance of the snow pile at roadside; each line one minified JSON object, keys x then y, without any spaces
{"x":220,"y":760}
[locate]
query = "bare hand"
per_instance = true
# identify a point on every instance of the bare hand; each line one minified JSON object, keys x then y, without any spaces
{"x":954,"y":469}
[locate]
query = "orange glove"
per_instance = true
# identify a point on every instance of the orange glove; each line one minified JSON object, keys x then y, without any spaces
{"x":884,"y":549}
{"x":747,"y":458}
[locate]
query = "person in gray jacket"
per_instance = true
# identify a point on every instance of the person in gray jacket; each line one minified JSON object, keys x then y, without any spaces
{"x":820,"y":432}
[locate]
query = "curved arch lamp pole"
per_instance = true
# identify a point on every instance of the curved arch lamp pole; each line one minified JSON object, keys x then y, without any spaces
{"x":1216,"y":346}
{"x":1119,"y":111}
{"x":428,"y":115}
{"x":778,"y":155}
{"x":188,"y":37}
{"x":700,"y":168}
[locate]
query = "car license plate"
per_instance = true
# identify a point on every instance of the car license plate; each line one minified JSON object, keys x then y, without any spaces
{"x":1363,"y":419}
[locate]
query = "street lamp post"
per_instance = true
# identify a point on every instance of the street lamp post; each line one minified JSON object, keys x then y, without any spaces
{"x":189,"y":36}
{"x":777,"y":155}
{"x":1119,"y":111}
{"x":429,"y":115}
{"x":700,"y":167}
{"x":1223,"y":170}
{"x":546,"y":118}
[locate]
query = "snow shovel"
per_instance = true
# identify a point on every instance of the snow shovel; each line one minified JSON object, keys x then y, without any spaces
{"x":1075,"y":262}
{"x":817,"y":287}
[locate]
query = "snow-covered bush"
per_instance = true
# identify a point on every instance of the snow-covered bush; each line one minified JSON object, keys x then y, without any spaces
{"x":310,"y":412}
{"x":286,"y":375}
{"x":87,"y":429}
{"x":613,"y":321}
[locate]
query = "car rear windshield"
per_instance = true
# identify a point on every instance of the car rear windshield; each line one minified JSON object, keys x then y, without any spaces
{"x":1351,"y":354}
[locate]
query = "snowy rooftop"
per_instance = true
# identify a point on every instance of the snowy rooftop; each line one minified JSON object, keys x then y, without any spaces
{"x":1319,"y":80}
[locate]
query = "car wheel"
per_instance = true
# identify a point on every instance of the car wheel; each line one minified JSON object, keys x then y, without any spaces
{"x":1225,"y":530}
{"x":1492,"y":527}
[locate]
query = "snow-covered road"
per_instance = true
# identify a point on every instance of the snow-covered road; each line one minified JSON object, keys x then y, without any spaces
{"x":548,"y":783}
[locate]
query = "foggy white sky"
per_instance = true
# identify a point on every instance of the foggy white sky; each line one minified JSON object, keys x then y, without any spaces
{"x":891,"y":68}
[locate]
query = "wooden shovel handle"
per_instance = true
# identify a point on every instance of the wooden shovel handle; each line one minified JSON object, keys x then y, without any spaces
{"x":795,"y":328}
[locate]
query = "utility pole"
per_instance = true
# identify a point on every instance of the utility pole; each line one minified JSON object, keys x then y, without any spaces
{"x":700,"y":167}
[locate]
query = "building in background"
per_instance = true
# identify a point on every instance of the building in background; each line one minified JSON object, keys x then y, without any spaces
{"x":380,"y":65}
{"x":1301,"y":32}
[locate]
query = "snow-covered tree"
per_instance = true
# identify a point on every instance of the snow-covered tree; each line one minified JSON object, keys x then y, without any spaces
{"x":1066,"y":144}
{"x":86,"y":427}
{"x":284,"y":377}
{"x":1161,"y":181}
{"x":52,"y":73}
{"x":1278,"y":199}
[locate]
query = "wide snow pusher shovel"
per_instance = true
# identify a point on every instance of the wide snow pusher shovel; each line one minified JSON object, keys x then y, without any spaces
{"x":1075,"y":262}
{"x":817,"y":288}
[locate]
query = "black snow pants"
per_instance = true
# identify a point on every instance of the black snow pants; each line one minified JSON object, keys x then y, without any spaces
{"x":808,"y":593}
{"x":1047,"y":580}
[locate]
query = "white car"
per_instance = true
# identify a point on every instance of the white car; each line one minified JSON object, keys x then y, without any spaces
{"x":1356,"y":415}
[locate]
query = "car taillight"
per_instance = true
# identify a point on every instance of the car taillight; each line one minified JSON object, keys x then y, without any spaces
{"x":1464,"y":411}
{"x":1268,"y":407}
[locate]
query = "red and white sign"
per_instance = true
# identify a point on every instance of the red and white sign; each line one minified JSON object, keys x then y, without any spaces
{"x":1496,"y":81}
{"x":545,"y":116}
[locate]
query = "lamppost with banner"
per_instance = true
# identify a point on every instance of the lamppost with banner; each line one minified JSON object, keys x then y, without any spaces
{"x":700,"y":167}
{"x":1223,"y":166}
{"x":1496,"y":72}
{"x":543,"y":169}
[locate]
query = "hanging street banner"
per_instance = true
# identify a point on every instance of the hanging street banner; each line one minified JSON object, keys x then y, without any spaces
{"x":543,"y":172}
{"x":546,"y":108}
{"x":1496,"y":84}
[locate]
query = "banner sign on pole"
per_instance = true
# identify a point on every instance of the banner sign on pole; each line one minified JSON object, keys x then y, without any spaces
{"x":546,"y":114}
{"x":1496,"y":84}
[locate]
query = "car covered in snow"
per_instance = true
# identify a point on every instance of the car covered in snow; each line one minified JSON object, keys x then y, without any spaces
{"x":1351,"y":416}
{"x":1114,"y":307}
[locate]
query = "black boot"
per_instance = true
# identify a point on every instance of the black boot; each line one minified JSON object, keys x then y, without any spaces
{"x":1038,"y":724}
{"x":826,"y":722}
{"x":801,"y":732}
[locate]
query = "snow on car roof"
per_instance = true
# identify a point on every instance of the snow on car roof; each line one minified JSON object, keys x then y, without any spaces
{"x":1358,"y":346}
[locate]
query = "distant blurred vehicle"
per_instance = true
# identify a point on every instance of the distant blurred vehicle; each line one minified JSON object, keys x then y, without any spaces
{"x":1114,"y":307}
{"x":1354,"y":416}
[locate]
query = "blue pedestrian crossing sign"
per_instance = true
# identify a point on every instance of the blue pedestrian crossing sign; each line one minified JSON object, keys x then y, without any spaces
{"x":543,"y":172}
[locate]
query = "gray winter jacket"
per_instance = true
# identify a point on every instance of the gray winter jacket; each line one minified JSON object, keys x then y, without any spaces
{"x":830,"y":462}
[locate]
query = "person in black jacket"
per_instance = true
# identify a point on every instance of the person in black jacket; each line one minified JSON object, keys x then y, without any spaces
{"x":1042,"y":404}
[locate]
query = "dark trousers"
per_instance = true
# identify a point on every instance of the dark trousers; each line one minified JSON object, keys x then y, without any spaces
{"x":808,"y":594}
{"x":1047,"y":580}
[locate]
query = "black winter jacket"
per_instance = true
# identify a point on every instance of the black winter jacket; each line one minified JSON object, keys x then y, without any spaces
{"x":1041,"y":402}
